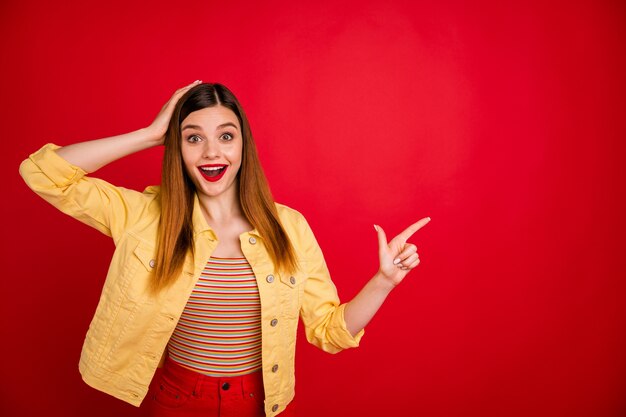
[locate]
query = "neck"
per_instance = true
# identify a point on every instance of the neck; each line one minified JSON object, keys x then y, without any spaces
{"x":220,"y":210}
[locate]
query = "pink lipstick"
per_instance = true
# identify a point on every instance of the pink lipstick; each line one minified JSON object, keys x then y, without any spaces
{"x":213,"y":172}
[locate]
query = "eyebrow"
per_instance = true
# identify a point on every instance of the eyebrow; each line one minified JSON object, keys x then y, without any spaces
{"x":223,"y":125}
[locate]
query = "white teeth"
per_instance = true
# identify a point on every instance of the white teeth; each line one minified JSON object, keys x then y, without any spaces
{"x":211,"y":168}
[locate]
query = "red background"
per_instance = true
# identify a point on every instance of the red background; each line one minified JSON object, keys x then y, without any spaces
{"x":504,"y":122}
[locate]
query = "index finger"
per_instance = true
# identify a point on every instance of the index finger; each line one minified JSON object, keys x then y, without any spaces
{"x":178,"y":94}
{"x":409,"y":231}
{"x":187,"y":87}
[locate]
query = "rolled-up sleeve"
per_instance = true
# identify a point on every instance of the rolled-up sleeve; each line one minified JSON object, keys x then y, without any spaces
{"x":321,"y":312}
{"x":92,"y":201}
{"x":45,"y":169}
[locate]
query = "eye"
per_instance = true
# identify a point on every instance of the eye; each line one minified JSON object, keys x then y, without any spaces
{"x":227,"y":136}
{"x":194,"y":139}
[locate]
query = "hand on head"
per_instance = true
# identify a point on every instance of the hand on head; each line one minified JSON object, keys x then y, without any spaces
{"x":158,"y":127}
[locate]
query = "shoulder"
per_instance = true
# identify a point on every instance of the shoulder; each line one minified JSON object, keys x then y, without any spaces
{"x":149,"y":199}
{"x":293,"y":221}
{"x":289,"y":215}
{"x":152,"y":191}
{"x":287,"y":211}
{"x":300,"y":233}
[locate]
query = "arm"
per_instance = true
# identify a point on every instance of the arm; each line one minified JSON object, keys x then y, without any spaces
{"x":93,"y":155}
{"x":397,"y":258}
{"x":330,"y":325}
{"x":58,"y":176}
{"x":321,"y":310}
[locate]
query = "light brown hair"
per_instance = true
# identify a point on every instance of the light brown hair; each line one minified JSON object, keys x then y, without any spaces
{"x":175,"y":235}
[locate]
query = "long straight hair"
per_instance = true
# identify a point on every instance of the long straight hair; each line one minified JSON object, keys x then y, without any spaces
{"x":175,"y":234}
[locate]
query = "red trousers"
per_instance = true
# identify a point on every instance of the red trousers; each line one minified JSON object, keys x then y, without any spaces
{"x":180,"y":392}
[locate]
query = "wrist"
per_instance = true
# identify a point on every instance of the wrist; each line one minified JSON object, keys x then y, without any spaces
{"x":382,"y":282}
{"x":151,"y":136}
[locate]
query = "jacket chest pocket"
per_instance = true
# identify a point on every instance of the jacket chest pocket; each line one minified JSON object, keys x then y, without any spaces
{"x":146,"y":254}
{"x":137,"y":272}
{"x":291,"y":293}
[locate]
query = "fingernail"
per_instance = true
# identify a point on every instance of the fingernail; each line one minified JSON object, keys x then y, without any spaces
{"x":376,"y":228}
{"x":396,"y":261}
{"x":429,"y":219}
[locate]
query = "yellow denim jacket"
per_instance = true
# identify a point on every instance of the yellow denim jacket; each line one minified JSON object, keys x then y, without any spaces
{"x":128,"y":335}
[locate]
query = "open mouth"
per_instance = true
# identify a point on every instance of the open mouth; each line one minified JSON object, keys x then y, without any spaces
{"x":213,"y":172}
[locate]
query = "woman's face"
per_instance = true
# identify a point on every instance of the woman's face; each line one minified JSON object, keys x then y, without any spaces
{"x":211,"y":147}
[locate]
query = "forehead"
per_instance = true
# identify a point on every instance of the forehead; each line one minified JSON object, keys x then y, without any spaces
{"x":211,"y":117}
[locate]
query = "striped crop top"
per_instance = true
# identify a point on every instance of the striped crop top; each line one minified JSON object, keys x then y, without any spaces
{"x":219,"y":331}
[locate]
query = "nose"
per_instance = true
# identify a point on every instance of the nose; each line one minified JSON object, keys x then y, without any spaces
{"x":211,"y":149}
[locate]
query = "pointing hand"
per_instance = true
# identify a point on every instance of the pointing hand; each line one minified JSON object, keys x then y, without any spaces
{"x":397,"y":258}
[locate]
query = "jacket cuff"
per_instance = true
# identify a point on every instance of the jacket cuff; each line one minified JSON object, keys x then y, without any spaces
{"x":342,"y":334}
{"x":57,"y":169}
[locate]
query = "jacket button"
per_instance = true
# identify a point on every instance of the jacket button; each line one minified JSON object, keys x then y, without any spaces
{"x":292,"y":280}
{"x":252,"y":241}
{"x":273,"y":323}
{"x":225,"y":386}
{"x":270,"y":278}
{"x":275,"y":407}
{"x":275,"y":368}
{"x":152,"y":263}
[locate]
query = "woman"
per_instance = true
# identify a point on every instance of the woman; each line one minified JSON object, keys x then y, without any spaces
{"x":209,"y":275}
